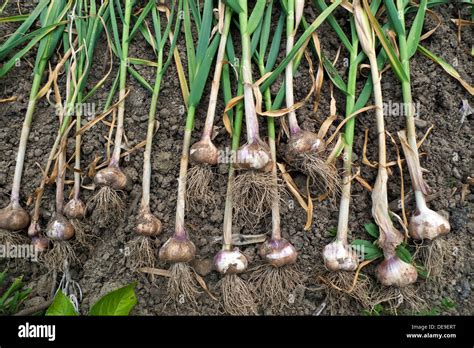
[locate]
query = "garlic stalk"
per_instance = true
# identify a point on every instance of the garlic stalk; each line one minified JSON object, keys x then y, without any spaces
{"x":338,"y":255}
{"x":391,"y":271}
{"x":255,"y":154}
{"x":301,"y":141}
{"x":424,"y":223}
{"x":204,"y":151}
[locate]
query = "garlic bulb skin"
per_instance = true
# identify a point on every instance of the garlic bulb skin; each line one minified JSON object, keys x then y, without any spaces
{"x":395,"y":272}
{"x":254,"y":157}
{"x":427,"y":224}
{"x":75,"y":209}
{"x":178,"y":248}
{"x":148,"y":224}
{"x":338,"y":256}
{"x":59,"y":228}
{"x":204,"y":151}
{"x":112,"y":177}
{"x":230,"y":261}
{"x":304,"y":141}
{"x":278,"y":252}
{"x":14,"y":218}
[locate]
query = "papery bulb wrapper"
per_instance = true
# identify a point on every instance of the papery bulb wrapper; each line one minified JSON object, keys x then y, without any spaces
{"x":395,"y":272}
{"x":278,"y":252}
{"x":230,"y":261}
{"x":254,"y":157}
{"x":204,"y":151}
{"x":112,"y":177}
{"x":148,"y":224}
{"x":304,"y":142}
{"x":339,"y":256}
{"x":177,"y":249}
{"x":75,"y":209}
{"x":59,"y":228}
{"x":14,"y":218}
{"x":427,"y":224}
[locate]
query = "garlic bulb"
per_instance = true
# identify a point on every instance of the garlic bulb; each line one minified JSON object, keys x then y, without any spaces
{"x":395,"y":272}
{"x":59,"y":228}
{"x":339,"y":256}
{"x":14,"y":218}
{"x":230,"y":261}
{"x":278,"y":252}
{"x":204,"y":151}
{"x":178,"y":248}
{"x":427,"y":224}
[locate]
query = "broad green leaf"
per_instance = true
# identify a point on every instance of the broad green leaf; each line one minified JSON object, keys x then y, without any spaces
{"x":387,"y":46}
{"x":256,"y":16}
{"x":372,"y":229}
{"x":265,"y":32}
{"x":234,"y":4}
{"x":275,"y":46}
{"x":321,"y":4}
{"x":434,"y":3}
{"x":368,"y":86}
{"x":278,"y":101}
{"x":393,"y":17}
{"x":12,"y":61}
{"x":115,"y":31}
{"x":415,"y":32}
{"x":17,"y":283}
{"x":370,"y":250}
{"x":328,"y":66}
{"x":140,"y":79}
{"x":61,"y":306}
{"x":196,"y":13}
{"x":140,"y":61}
{"x":307,"y":33}
{"x":334,"y":74}
{"x":55,"y":13}
{"x":11,"y":19}
{"x":175,"y":39}
{"x":148,"y":37}
{"x":119,"y":9}
{"x":110,"y":96}
{"x":446,"y":67}
{"x":197,"y":86}
{"x":140,"y":19}
{"x":26,"y":24}
{"x":256,"y":39}
{"x":422,"y":271}
{"x":403,"y":254}
{"x":167,"y":30}
{"x":38,"y":34}
{"x":157,"y":28}
{"x":189,"y":40}
{"x":116,"y":303}
{"x":374,"y":5}
{"x":204,"y":33}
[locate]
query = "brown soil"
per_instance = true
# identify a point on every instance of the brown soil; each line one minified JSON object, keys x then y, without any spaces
{"x":105,"y":267}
